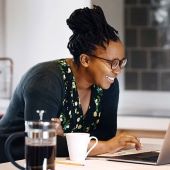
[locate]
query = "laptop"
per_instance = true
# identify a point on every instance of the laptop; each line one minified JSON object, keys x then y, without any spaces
{"x":149,"y":157}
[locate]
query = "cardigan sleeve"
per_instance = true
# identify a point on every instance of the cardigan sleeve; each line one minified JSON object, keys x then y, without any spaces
{"x":46,"y":92}
{"x":41,"y":88}
{"x":43,"y":91}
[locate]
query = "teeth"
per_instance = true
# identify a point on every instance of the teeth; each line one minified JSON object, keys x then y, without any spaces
{"x":110,"y":78}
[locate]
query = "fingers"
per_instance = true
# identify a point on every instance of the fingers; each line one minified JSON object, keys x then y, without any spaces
{"x":138,"y":144}
{"x":135,"y":142}
{"x":58,"y":127}
{"x":56,"y":120}
{"x":130,"y":141}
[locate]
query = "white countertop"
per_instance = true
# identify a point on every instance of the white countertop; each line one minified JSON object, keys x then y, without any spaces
{"x":100,"y":164}
{"x":97,"y":164}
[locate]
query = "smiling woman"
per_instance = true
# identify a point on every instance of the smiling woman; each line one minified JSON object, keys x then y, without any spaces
{"x":102,"y":63}
{"x":82,"y":92}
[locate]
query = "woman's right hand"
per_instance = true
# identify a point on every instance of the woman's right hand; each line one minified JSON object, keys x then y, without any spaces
{"x":124,"y":141}
{"x":115,"y":144}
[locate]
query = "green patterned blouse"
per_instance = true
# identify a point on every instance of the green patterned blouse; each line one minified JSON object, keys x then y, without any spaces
{"x":71,"y":116}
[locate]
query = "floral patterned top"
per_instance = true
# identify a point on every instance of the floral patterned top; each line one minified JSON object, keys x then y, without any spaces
{"x":71,"y":116}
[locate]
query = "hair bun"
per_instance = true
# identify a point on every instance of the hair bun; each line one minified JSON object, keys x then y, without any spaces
{"x":90,"y":29}
{"x":78,"y":22}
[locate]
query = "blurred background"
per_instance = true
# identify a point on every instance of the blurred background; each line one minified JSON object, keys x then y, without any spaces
{"x":33,"y":31}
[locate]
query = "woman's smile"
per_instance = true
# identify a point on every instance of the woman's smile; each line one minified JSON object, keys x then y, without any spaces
{"x":111,"y":79}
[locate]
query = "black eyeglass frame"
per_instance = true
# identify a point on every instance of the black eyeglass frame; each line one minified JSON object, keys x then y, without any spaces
{"x":120,"y":63}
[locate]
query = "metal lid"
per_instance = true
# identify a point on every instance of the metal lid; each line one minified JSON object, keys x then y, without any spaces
{"x":40,"y":129}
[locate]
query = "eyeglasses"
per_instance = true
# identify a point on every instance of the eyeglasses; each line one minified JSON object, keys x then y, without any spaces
{"x":114,"y":63}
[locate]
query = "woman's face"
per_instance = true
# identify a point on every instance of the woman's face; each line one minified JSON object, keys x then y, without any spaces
{"x":100,"y":70}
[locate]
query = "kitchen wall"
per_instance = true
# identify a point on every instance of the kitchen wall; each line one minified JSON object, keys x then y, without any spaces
{"x":2,"y":28}
{"x":36,"y":31}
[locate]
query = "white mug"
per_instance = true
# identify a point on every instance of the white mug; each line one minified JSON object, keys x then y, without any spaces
{"x":77,"y":146}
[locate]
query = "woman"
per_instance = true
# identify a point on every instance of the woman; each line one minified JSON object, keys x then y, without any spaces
{"x":83,"y":91}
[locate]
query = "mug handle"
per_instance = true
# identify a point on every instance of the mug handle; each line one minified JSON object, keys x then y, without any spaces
{"x":8,"y":148}
{"x":93,"y":146}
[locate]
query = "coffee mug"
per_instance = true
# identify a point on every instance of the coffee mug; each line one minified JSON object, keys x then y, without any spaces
{"x":78,"y":145}
{"x":40,"y":145}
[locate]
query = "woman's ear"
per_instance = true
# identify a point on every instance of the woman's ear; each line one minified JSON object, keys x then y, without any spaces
{"x":84,"y":60}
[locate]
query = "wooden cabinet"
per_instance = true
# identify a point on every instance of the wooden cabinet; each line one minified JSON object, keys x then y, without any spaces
{"x":145,"y":133}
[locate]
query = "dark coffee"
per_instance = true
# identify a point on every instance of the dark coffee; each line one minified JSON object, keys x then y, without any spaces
{"x":38,"y":157}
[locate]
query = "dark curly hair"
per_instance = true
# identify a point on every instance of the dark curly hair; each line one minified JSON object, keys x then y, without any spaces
{"x":90,"y":29}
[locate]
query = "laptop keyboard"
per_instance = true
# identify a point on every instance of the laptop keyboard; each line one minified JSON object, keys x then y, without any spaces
{"x":146,"y":157}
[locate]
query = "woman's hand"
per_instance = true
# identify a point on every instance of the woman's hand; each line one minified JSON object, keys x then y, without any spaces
{"x":120,"y":141}
{"x":58,"y":127}
{"x":124,"y":141}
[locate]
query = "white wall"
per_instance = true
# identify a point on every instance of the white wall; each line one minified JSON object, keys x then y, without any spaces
{"x":2,"y":29}
{"x":36,"y":31}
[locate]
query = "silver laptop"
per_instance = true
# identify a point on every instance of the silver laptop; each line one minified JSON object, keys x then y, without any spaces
{"x":151,"y":157}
